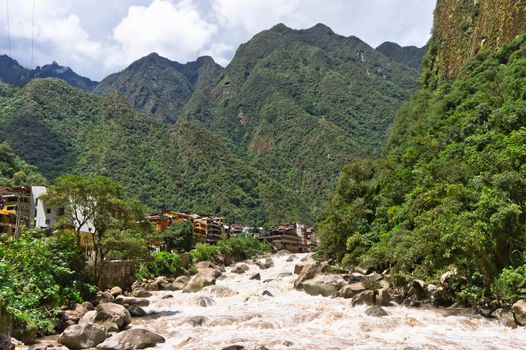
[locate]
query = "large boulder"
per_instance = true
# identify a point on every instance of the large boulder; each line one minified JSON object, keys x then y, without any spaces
{"x":385,"y":296}
{"x":115,"y":291}
{"x":132,"y":301}
{"x":180,"y":282}
{"x":375,"y":311}
{"x":350,"y":290}
{"x":131,"y":340}
{"x":519,"y":312}
{"x":111,"y":312}
{"x":366,"y":297}
{"x":207,"y":265}
{"x":136,"y":311}
{"x":325,"y":285}
{"x":205,"y":277}
{"x":88,"y":317}
{"x":308,"y":272}
{"x":83,"y":336}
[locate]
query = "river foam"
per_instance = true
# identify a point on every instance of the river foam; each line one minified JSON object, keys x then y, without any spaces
{"x":235,"y":312}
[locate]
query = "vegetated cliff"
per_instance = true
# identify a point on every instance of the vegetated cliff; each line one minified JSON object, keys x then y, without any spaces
{"x":465,"y":27}
{"x":449,"y":192}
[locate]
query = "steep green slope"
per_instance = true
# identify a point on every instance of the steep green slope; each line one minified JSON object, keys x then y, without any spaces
{"x":410,"y":56}
{"x":60,"y":129}
{"x":300,"y":103}
{"x":15,"y":172}
{"x":160,"y":87}
{"x":450,"y":194}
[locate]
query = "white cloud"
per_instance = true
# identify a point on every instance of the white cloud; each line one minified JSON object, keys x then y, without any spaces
{"x":173,"y":30}
{"x":98,"y":37}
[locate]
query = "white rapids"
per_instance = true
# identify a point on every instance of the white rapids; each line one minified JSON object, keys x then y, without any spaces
{"x":240,"y":314}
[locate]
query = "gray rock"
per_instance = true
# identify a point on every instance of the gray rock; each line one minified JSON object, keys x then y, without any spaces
{"x":113,"y":313}
{"x":240,"y":268}
{"x":88,"y":317}
{"x":325,"y":285}
{"x":365,"y":297}
{"x":376,"y":311}
{"x":351,"y":290}
{"x":140,"y":293}
{"x":309,"y":272}
{"x":131,"y":340}
{"x":298,"y":268}
{"x":205,"y":301}
{"x":291,"y":258}
{"x":136,"y":311}
{"x":180,"y":282}
{"x":519,"y":312}
{"x":205,"y":277}
{"x":257,"y":276}
{"x":132,"y":301}
{"x":83,"y":336}
{"x":265,"y":264}
{"x":116,"y":291}
{"x":196,"y":321}
{"x":267,"y":293}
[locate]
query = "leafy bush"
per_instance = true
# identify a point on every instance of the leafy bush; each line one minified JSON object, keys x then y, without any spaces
{"x":165,"y":263}
{"x":241,"y":247}
{"x":205,"y":252}
{"x":179,"y":236}
{"x":511,"y":284}
{"x":39,"y":275}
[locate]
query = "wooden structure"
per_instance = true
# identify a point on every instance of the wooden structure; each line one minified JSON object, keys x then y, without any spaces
{"x":16,"y":201}
{"x":208,"y":230}
{"x":205,"y":229}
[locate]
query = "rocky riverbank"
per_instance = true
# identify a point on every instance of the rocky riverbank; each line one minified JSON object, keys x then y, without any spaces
{"x":282,"y":301}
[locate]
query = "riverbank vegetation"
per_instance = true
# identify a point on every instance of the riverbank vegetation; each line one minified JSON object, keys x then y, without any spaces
{"x":449,"y":194}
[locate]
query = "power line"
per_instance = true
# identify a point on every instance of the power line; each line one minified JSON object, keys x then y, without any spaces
{"x":8,"y":29}
{"x":32,"y":34}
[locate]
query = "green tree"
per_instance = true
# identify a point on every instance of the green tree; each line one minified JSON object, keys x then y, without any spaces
{"x":179,"y":236}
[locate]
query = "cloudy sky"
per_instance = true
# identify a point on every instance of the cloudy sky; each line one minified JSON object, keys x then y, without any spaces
{"x":98,"y":37}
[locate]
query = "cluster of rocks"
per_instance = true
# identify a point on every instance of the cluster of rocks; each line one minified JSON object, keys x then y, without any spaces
{"x":103,"y":323}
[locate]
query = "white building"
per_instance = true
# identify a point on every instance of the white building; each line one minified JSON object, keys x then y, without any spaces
{"x":45,"y":217}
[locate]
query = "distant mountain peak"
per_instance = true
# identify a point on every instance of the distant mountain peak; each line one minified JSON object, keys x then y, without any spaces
{"x":321,"y":28}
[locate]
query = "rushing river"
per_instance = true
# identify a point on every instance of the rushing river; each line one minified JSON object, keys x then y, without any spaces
{"x":235,"y":312}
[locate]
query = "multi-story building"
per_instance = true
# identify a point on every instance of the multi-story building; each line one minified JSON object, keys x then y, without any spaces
{"x":16,"y":201}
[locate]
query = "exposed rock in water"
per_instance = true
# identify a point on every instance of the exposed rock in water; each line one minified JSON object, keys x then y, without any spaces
{"x":132,"y":301}
{"x":366,"y":297}
{"x":519,"y":312}
{"x":205,"y":301}
{"x":140,"y":293}
{"x":309,"y":271}
{"x":115,"y":291}
{"x":325,"y":285}
{"x":376,"y":311}
{"x":83,"y":336}
{"x":351,"y":290}
{"x":240,"y":268}
{"x":267,"y":293}
{"x":131,"y":340}
{"x":136,"y":311}
{"x":110,"y":312}
{"x":256,"y":276}
{"x":180,"y":282}
{"x":265,"y":264}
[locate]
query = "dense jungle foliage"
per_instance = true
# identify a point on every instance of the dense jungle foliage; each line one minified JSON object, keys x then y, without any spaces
{"x":60,"y":129}
{"x":450,"y":193}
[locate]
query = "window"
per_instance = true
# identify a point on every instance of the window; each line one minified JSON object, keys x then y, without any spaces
{"x":48,"y":210}
{"x":48,"y":222}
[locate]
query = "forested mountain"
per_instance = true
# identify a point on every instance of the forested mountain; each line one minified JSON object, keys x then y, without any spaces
{"x":449,"y":193}
{"x":60,"y":129}
{"x":300,"y":103}
{"x":160,"y":87}
{"x":410,"y":56}
{"x":262,"y":140}
{"x":12,"y":72}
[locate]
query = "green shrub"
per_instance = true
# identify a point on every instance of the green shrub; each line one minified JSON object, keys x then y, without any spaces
{"x":205,"y":252}
{"x":39,"y":275}
{"x":511,"y":284}
{"x":165,"y":263}
{"x":241,"y":247}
